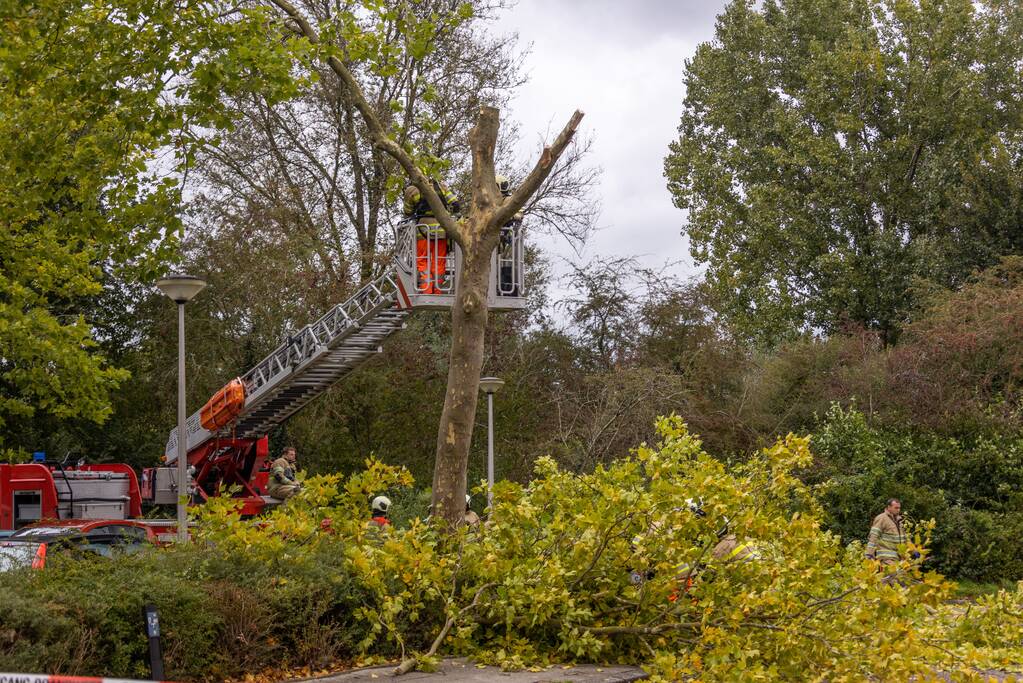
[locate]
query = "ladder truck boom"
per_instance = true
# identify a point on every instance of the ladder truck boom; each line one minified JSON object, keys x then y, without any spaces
{"x":227,"y":439}
{"x":307,"y":364}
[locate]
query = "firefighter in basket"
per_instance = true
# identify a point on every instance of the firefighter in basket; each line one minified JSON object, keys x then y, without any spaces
{"x":506,"y":285}
{"x":432,"y":243}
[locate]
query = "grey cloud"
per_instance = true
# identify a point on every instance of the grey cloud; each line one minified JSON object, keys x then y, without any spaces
{"x":637,"y":20}
{"x":621,"y":62}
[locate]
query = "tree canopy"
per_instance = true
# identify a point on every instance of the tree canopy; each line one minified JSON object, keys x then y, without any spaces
{"x":104,"y":105}
{"x":832,"y":151}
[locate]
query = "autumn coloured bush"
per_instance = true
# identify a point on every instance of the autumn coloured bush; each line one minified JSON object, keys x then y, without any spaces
{"x":615,"y":565}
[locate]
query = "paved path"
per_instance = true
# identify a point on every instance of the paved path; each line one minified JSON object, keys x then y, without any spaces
{"x":462,"y":671}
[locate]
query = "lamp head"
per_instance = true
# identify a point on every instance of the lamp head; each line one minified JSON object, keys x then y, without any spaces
{"x":491,"y":385}
{"x":179,"y":287}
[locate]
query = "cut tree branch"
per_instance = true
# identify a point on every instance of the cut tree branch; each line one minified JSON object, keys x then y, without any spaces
{"x":543,"y":168}
{"x":409,"y":663}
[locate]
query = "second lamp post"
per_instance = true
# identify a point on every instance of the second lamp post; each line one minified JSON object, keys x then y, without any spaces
{"x":490,"y":386}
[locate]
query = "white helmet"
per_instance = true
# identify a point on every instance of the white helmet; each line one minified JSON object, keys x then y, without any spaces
{"x":381,"y":504}
{"x":503,"y":184}
{"x":468,"y":501}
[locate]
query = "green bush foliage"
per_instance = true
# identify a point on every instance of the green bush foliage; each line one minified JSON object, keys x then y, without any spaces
{"x":971,"y":488}
{"x":548,"y":578}
{"x":221,"y":615}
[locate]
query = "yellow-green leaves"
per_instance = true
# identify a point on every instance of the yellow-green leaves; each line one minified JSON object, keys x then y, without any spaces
{"x":667,"y":558}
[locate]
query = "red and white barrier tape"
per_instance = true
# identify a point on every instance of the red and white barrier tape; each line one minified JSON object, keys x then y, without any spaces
{"x":46,"y":678}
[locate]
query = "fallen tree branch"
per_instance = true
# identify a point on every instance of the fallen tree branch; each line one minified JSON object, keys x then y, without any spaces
{"x":410,"y":663}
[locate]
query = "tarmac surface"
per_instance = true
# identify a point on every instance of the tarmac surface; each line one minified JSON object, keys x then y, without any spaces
{"x":462,"y":671}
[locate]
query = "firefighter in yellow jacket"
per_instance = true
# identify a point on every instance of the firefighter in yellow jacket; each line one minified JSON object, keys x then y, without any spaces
{"x":886,"y":534}
{"x":282,"y":483}
{"x":431,"y":241}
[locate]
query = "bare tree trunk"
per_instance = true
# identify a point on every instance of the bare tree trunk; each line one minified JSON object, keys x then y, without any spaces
{"x":454,"y":434}
{"x":478,"y":237}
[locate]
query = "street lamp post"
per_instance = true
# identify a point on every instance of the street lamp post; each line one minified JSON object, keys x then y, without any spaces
{"x":490,"y":386}
{"x":181,"y":288}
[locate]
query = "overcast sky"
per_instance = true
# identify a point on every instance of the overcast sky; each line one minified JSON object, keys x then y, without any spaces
{"x":620,"y":61}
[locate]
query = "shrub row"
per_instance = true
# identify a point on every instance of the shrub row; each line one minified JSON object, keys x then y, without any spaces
{"x":973,"y":489}
{"x":221,"y":615}
{"x":610,"y":566}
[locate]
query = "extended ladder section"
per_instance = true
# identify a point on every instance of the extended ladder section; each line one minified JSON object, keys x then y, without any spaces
{"x":309,"y":362}
{"x":422,"y":276}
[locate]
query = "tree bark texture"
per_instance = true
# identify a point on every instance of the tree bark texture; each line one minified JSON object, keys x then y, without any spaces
{"x":454,"y":433}
{"x":488,"y":212}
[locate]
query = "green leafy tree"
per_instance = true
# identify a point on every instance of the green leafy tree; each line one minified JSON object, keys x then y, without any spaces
{"x":104,"y":105}
{"x":300,"y":169}
{"x":832,"y":150}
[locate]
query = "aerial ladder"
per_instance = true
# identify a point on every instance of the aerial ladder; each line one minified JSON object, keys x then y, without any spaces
{"x":227,"y":440}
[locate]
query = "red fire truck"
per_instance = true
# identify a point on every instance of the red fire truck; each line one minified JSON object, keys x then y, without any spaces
{"x":47,"y":490}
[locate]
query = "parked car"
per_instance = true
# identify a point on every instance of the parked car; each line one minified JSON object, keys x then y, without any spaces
{"x":31,"y":545}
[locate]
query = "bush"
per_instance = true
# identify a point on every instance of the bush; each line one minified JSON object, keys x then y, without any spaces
{"x":223,"y":613}
{"x":971,"y":490}
{"x":548,"y":578}
{"x":85,"y":616}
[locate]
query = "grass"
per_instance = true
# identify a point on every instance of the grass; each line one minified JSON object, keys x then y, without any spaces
{"x":972,"y":590}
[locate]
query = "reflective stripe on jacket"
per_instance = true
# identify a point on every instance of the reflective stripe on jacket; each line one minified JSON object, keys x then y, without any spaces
{"x":282,"y":472}
{"x":729,"y":549}
{"x":416,"y":205}
{"x":427,"y":226}
{"x":886,"y":535}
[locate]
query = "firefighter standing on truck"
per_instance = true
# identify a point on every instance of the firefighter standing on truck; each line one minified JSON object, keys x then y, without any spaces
{"x":431,"y":241}
{"x":282,"y":483}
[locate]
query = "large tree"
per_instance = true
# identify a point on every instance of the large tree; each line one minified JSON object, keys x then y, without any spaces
{"x":351,"y":42}
{"x":305,"y":169}
{"x":97,"y":98}
{"x":830,"y":151}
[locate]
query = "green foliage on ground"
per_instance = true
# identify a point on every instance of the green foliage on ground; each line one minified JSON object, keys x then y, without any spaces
{"x":971,"y":590}
{"x":545,"y":579}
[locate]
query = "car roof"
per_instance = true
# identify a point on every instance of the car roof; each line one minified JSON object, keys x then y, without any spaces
{"x":61,"y":527}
